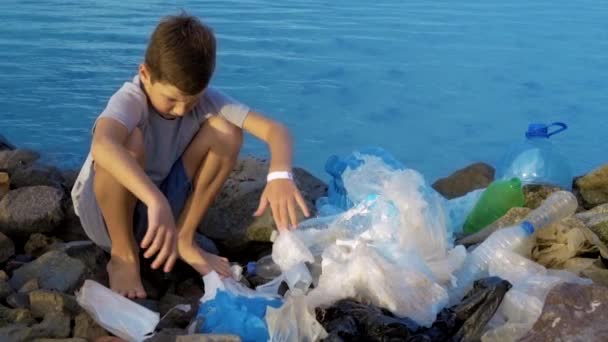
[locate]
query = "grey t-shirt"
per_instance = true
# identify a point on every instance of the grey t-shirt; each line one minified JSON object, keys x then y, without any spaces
{"x":164,"y":140}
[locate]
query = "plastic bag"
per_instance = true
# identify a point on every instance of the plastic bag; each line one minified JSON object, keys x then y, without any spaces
{"x":117,"y":314}
{"x":294,"y":321}
{"x":229,"y":307}
{"x":291,"y":254}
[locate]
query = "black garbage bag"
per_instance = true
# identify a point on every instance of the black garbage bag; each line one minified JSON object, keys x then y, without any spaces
{"x":349,"y":320}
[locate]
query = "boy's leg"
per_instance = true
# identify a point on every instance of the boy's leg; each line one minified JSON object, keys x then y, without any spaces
{"x":208,"y":161}
{"x":117,"y":205}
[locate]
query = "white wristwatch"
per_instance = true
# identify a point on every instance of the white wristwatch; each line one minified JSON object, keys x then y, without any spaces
{"x":279,"y":175}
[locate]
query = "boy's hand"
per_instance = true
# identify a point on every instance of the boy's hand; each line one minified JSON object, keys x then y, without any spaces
{"x":282,"y":195}
{"x":161,"y":236}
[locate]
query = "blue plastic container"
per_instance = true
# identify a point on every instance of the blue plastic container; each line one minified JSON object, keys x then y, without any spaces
{"x":536,"y":160}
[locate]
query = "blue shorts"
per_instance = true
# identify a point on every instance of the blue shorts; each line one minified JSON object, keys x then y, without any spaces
{"x":177,"y":187}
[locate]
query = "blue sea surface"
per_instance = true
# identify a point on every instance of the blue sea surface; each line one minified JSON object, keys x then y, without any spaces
{"x":439,"y":84}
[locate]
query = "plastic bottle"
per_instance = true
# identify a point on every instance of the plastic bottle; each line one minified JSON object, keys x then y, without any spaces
{"x":557,"y":206}
{"x":264,"y":268}
{"x":536,"y":160}
{"x":496,"y":200}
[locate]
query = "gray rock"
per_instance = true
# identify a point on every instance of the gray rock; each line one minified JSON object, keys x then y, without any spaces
{"x":585,"y":216}
{"x":19,"y":300}
{"x":593,"y":187}
{"x":31,"y":210}
{"x":230,"y":219}
{"x":512,"y":217}
{"x":54,"y":324}
{"x":12,"y":160}
{"x":5,"y":289}
{"x":43,"y":302}
{"x":39,"y":244}
{"x":15,"y":316}
{"x":29,"y":286}
{"x":54,"y":270}
{"x":572,"y":312}
{"x":5,"y":144}
{"x":15,"y":333}
{"x":37,"y":174}
{"x":599,"y":225}
{"x":92,"y":256}
{"x":463,"y":181}
{"x":85,"y":327}
{"x":7,"y":248}
{"x":71,"y":228}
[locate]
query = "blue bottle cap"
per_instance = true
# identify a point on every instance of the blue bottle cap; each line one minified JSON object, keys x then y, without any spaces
{"x":528,"y":227}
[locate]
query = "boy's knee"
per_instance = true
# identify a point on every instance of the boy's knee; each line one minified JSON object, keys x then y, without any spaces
{"x":229,"y":136}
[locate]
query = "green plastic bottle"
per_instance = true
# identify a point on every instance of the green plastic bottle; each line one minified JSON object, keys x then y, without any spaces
{"x":496,"y":200}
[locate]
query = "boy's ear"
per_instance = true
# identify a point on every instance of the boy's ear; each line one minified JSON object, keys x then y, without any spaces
{"x":144,"y":73}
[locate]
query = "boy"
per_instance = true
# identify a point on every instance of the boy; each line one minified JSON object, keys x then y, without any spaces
{"x":162,"y":149}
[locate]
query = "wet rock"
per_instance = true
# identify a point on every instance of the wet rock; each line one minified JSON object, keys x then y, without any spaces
{"x":463,"y":181}
{"x":512,"y":217}
{"x":7,"y":248}
{"x":54,"y":270}
{"x":5,"y":289}
{"x":593,"y":187}
{"x":15,"y":316}
{"x":43,"y":302}
{"x":29,"y":286}
{"x":54,"y":324}
{"x":230,"y":221}
{"x":12,"y":160}
{"x":572,"y":312}
{"x":536,"y":194}
{"x":5,"y":144}
{"x":39,"y":244}
{"x":18,"y":300}
{"x":37,"y":174}
{"x":85,"y":327}
{"x":30,"y":210}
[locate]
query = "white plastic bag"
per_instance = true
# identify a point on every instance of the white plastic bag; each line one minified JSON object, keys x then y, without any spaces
{"x":290,"y":254}
{"x":117,"y":314}
{"x":294,"y":321}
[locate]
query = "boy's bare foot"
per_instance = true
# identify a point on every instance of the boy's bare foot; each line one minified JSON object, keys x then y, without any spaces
{"x":203,"y":262}
{"x":124,"y":276}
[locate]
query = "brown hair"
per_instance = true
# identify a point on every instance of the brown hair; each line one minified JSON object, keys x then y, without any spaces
{"x":181,"y":53}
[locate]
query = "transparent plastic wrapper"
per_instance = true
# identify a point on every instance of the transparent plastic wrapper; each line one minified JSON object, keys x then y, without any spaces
{"x":117,"y":314}
{"x":360,"y":272}
{"x":290,"y":253}
{"x":294,"y":321}
{"x":523,"y":304}
{"x":458,"y":210}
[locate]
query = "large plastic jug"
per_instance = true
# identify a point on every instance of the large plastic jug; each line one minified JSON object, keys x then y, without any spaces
{"x":536,"y":160}
{"x":496,"y":200}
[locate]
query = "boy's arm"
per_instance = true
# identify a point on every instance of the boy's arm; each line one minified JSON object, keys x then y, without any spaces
{"x":108,"y":152}
{"x":281,"y":194}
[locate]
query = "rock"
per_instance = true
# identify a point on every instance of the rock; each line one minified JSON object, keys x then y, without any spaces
{"x":30,"y":210}
{"x":29,"y":286}
{"x":463,"y":181}
{"x":12,"y":160}
{"x":572,"y":312}
{"x":598,"y":224}
{"x":536,"y":194}
{"x":69,"y":178}
{"x":92,"y":256}
{"x":54,"y":270}
{"x":43,"y":302}
{"x":230,"y":221}
{"x":5,"y":144}
{"x":15,"y":333}
{"x":85,"y":327}
{"x":37,"y":174}
{"x":15,"y":316}
{"x":512,"y":217}
{"x":5,"y":184}
{"x":3,"y":276}
{"x":585,"y":216}
{"x":71,"y":228}
{"x":5,"y":289}
{"x":593,"y":187}
{"x":39,"y":244}
{"x":7,"y":248}
{"x":54,"y":324}
{"x":19,"y":300}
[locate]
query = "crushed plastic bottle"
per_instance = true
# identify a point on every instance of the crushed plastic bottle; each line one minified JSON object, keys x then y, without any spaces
{"x":536,"y":160}
{"x":557,"y":206}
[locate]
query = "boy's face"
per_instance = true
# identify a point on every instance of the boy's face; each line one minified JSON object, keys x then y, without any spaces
{"x":169,"y":101}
